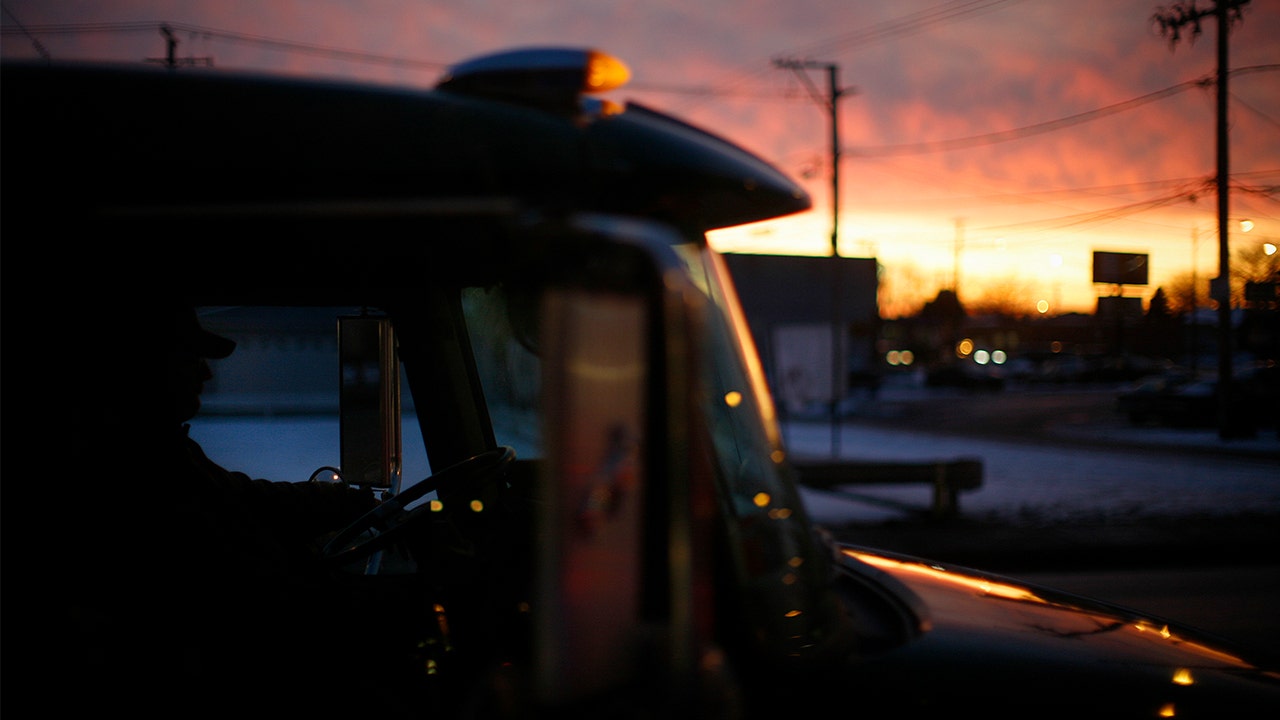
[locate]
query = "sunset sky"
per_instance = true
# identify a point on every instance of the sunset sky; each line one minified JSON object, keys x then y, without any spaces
{"x":997,"y":142}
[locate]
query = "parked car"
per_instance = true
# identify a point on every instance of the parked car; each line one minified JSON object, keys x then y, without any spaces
{"x":606,"y":522}
{"x":1176,"y":398}
{"x":964,"y":376}
{"x":1182,"y":400}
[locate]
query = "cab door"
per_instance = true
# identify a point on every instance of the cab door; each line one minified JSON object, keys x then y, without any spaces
{"x":623,"y":586}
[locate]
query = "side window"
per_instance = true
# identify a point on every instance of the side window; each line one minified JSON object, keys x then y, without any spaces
{"x":271,"y":409}
{"x":502,"y":327}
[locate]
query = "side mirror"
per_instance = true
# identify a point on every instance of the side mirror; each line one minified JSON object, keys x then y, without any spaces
{"x":369,"y":402}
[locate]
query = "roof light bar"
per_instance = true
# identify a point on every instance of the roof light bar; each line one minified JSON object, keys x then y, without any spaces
{"x":604,"y":72}
{"x":545,"y":77}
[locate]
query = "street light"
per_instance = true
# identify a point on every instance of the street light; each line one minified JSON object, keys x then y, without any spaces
{"x":1268,"y":247}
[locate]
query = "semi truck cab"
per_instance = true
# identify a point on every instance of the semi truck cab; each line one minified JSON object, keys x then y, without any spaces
{"x":539,"y":368}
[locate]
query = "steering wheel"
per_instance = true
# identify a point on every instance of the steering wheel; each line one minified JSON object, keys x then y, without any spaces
{"x":382,"y":525}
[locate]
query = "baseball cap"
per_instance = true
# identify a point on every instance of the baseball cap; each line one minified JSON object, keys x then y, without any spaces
{"x":205,"y":343}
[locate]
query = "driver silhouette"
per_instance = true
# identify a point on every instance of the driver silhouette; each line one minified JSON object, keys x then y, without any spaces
{"x":212,"y":595}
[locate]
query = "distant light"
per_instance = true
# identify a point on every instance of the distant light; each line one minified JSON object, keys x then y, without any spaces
{"x":1269,"y":248}
{"x":1246,"y":225}
{"x":900,"y":357}
{"x":761,"y":499}
{"x":477,"y":506}
{"x":964,"y":347}
{"x":1042,"y":306}
{"x":1056,"y":346}
{"x":733,"y":398}
{"x":982,"y":357}
{"x":999,"y":357}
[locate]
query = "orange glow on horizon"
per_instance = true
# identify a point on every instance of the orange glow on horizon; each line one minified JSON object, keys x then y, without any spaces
{"x":969,"y":155}
{"x":1057,"y":281}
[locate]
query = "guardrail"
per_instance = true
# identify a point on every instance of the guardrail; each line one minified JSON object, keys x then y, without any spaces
{"x":947,"y":477}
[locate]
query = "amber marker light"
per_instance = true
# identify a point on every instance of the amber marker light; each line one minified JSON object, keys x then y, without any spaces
{"x":604,"y":73}
{"x":552,"y":78}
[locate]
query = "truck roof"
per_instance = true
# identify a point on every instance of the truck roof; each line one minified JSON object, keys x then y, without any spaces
{"x":145,"y":139}
{"x":324,"y":181}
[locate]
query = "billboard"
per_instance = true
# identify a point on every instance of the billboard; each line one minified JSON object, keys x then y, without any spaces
{"x":1117,"y":268}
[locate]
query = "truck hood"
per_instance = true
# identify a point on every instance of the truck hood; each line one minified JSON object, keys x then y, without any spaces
{"x":996,"y":644}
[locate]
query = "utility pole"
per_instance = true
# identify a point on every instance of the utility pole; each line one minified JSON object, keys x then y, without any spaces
{"x":171,"y":59}
{"x":1195,"y":302}
{"x":1172,"y":22}
{"x":830,"y":102}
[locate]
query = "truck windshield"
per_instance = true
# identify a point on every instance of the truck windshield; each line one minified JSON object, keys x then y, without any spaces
{"x":780,"y":567}
{"x":740,"y":411}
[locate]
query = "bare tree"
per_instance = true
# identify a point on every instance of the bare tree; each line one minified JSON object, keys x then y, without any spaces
{"x":1008,"y":297}
{"x":903,"y":291}
{"x":1180,"y":295}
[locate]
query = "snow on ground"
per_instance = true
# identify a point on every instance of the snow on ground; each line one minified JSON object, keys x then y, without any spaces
{"x":1021,"y":482}
{"x":1043,"y":483}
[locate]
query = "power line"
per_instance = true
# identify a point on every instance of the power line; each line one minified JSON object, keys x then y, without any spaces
{"x":1026,"y":131}
{"x":83,"y":28}
{"x":712,"y":91}
{"x":1188,"y":191}
{"x":1262,"y":115}
{"x":39,"y":48}
{"x":1053,"y":194}
{"x":906,"y":25}
{"x":228,"y":36}
{"x":1044,"y":127}
{"x":312,"y":49}
{"x":1105,"y":215}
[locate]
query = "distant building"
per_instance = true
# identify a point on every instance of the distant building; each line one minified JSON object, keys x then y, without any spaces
{"x":796,"y":306}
